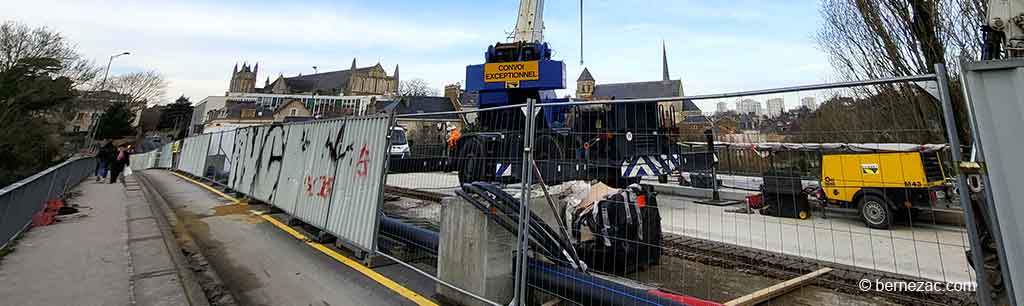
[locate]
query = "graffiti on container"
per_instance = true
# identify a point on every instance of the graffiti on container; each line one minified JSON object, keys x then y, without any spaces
{"x":274,"y":163}
{"x":273,"y":152}
{"x":325,"y":183}
{"x":304,"y":141}
{"x":237,"y":152}
{"x":335,"y":148}
{"x":362,"y":166}
{"x":259,"y":152}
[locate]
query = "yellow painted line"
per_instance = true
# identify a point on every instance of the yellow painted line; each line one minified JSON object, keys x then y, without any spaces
{"x":381,"y":279}
{"x":211,"y":189}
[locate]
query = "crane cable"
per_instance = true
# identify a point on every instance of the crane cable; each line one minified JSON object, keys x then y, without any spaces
{"x":581,"y":32}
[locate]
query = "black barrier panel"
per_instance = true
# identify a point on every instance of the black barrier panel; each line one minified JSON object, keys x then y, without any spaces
{"x":418,"y":164}
{"x":700,"y":161}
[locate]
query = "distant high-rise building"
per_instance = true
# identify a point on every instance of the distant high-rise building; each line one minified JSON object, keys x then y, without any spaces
{"x":723,"y":107}
{"x":749,"y":106}
{"x":776,"y":106}
{"x":809,"y":103}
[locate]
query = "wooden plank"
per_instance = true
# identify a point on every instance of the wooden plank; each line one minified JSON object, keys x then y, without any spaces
{"x":777,"y":289}
{"x":552,"y":302}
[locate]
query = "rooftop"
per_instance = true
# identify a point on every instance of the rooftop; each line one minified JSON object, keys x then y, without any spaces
{"x":418,"y":105}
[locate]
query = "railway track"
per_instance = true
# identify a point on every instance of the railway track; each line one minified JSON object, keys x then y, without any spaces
{"x":764,"y":263}
{"x":415,"y":194}
{"x":843,"y":279}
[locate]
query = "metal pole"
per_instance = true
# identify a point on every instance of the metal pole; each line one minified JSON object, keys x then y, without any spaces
{"x":103,"y":85}
{"x":978,"y":155}
{"x":524,"y":207}
{"x":710,"y":138}
{"x":984,"y":295}
{"x":112,"y":57}
{"x":220,"y":149}
{"x":206,"y":156}
{"x":317,"y":109}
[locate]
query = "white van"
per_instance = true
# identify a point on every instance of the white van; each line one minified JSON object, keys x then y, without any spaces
{"x":399,"y":143}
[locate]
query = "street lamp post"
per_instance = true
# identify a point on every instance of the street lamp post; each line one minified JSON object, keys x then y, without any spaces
{"x":317,"y":108}
{"x":107,"y":72}
{"x":103,"y":84}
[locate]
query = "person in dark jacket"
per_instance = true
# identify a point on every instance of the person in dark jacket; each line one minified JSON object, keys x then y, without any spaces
{"x":104,"y":157}
{"x":121,"y":160}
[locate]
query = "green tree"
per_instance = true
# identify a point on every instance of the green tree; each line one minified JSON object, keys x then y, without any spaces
{"x":177,"y":115}
{"x":31,"y":97}
{"x":39,"y":72}
{"x":116,"y":122}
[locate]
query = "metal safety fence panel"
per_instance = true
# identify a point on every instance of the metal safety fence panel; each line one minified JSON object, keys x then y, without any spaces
{"x":193,"y":157}
{"x":20,"y":201}
{"x":142,"y":161}
{"x":220,"y":156}
{"x":165,"y":160}
{"x":313,"y":182}
{"x":659,"y":193}
{"x":635,"y":201}
{"x":292,"y":187}
{"x":326,"y":173}
{"x":642,"y":200}
{"x":359,"y":152}
{"x":996,"y":107}
{"x":256,"y":166}
{"x":427,"y":227}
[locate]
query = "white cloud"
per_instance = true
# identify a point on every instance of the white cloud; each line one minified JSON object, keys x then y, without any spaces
{"x":195,"y":43}
{"x":712,"y":47}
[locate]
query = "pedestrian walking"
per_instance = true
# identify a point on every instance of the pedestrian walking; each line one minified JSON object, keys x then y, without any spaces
{"x":121,"y":161}
{"x":104,"y":157}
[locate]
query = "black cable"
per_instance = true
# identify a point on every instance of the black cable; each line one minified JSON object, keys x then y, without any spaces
{"x":513,"y":214}
{"x":501,"y":221}
{"x":536,"y":222}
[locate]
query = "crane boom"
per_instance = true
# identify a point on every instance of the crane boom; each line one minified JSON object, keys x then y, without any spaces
{"x":530,"y":23}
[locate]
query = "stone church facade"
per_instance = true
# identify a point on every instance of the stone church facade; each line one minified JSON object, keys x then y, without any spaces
{"x":365,"y":81}
{"x":588,"y":89}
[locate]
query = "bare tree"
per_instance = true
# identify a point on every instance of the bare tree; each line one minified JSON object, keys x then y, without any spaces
{"x":19,"y":42}
{"x":867,"y":39}
{"x":140,"y":88}
{"x":416,"y":87}
{"x":873,"y":39}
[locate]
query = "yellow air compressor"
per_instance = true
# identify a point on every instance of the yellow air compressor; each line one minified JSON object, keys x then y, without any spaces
{"x":880,"y":184}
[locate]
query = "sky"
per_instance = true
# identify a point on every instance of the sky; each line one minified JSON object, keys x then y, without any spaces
{"x":713,"y":46}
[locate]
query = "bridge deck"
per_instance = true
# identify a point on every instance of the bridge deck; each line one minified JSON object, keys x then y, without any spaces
{"x":264,"y":265}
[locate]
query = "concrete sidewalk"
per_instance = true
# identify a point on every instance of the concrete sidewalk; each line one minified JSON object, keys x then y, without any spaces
{"x":111,"y":253}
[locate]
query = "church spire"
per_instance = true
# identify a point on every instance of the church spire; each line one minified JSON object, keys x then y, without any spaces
{"x":234,"y":71}
{"x":353,"y":64}
{"x":256,"y":69}
{"x":664,"y":62}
